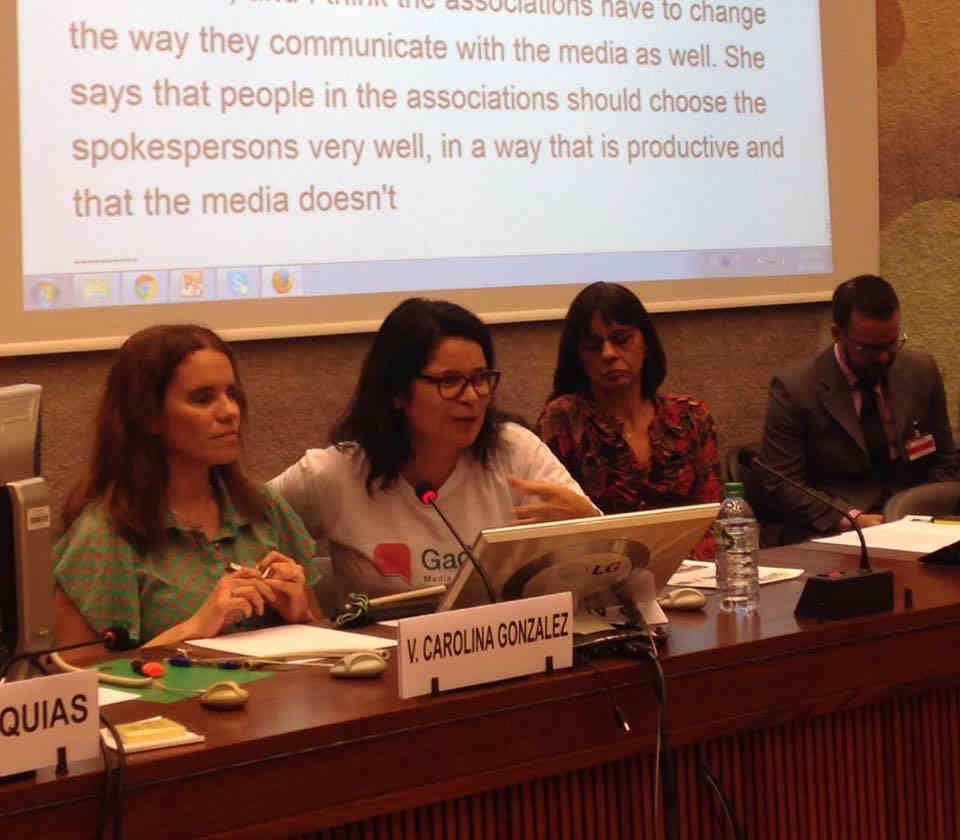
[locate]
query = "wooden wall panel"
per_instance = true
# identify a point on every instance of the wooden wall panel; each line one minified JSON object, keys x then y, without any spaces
{"x":873,"y":773}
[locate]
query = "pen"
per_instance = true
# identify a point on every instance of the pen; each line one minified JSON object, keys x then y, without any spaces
{"x":235,"y":567}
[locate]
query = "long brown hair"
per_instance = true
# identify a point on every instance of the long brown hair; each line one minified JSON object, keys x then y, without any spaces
{"x":128,"y":467}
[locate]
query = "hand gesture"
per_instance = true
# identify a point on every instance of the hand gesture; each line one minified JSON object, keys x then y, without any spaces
{"x":557,"y":502}
{"x":288,"y":583}
{"x":238,"y":594}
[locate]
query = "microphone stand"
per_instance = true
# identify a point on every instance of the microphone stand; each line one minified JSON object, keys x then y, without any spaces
{"x":427,"y":494}
{"x":838,"y":593}
{"x":476,"y":563}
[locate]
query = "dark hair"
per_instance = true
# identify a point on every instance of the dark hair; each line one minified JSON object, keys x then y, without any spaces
{"x":128,"y":466}
{"x":401,"y":350}
{"x":866,"y":293}
{"x":616,"y":305}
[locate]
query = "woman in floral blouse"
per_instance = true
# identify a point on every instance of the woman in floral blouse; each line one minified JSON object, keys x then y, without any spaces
{"x":628,"y":446}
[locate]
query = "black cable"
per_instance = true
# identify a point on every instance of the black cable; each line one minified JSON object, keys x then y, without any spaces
{"x":713,"y":784}
{"x":668,"y":765}
{"x":622,"y":721}
{"x":106,"y":791}
{"x":114,"y":783}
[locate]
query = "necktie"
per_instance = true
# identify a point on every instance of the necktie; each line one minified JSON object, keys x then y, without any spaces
{"x":873,"y":431}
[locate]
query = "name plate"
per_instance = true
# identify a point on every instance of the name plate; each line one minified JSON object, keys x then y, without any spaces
{"x":41,"y":714}
{"x":484,"y":644}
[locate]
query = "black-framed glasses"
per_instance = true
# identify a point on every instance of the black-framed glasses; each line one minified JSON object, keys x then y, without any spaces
{"x":879,"y":349}
{"x":450,"y":386}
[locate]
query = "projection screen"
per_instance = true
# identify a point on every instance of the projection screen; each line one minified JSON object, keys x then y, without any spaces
{"x":297,"y":167}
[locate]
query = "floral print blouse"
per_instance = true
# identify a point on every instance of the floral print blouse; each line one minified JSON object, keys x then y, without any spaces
{"x":684,"y":466}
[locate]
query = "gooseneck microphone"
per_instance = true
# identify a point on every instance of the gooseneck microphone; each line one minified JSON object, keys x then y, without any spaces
{"x":113,"y":638}
{"x":427,"y":494}
{"x":748,"y":458}
{"x":838,"y":593}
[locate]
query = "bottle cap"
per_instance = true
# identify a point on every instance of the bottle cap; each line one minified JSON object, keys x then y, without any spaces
{"x":733,"y":488}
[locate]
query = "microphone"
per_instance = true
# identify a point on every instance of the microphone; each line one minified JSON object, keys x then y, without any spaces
{"x":118,"y":638}
{"x":427,"y":494}
{"x":113,"y":638}
{"x":838,"y":593}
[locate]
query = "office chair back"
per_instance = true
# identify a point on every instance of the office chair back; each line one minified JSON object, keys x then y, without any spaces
{"x":938,"y":498}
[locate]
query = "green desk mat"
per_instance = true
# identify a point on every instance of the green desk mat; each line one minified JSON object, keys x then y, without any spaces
{"x":186,"y":679}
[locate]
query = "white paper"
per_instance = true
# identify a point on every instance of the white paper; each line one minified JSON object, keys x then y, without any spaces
{"x":702,"y":574}
{"x":109,"y":696}
{"x":292,"y":640}
{"x":916,"y":534}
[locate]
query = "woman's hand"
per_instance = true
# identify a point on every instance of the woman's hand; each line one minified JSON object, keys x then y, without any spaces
{"x":288,"y":582}
{"x":558,"y":502}
{"x":238,"y":594}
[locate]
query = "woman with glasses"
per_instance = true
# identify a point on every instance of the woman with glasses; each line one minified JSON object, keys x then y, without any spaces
{"x":629,"y":446}
{"x":422,"y":413}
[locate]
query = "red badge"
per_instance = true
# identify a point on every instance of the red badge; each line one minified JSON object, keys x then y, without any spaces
{"x":919,"y":446}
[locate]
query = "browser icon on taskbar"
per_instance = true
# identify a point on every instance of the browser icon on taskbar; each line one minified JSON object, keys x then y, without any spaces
{"x":238,"y":282}
{"x":45,"y":294}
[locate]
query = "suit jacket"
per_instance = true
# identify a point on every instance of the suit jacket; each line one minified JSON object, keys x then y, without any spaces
{"x":812,"y":433}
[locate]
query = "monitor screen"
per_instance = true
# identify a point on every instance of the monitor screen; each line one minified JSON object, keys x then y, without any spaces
{"x":589,"y":557}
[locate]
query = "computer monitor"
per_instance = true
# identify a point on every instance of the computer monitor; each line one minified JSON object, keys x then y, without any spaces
{"x":624,"y":558}
{"x":26,"y":557}
{"x":19,"y":432}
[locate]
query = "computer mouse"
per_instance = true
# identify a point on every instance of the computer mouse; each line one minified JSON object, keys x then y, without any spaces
{"x":225,"y":694}
{"x":685,"y":598}
{"x":361,"y":663}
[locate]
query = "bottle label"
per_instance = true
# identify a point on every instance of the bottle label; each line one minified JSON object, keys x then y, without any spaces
{"x":736,"y":537}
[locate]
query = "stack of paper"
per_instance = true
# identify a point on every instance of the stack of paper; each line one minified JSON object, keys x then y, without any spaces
{"x":292,"y":640}
{"x":914,"y":534}
{"x":150,"y":734}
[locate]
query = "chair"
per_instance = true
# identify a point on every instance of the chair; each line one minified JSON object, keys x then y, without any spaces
{"x":731,"y":463}
{"x":938,"y":498}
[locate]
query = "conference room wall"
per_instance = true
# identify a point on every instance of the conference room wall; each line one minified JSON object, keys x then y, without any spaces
{"x":299,"y":386}
{"x":919,"y":139}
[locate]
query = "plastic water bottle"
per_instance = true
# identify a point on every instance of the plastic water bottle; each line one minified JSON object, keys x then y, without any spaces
{"x":737,"y":543}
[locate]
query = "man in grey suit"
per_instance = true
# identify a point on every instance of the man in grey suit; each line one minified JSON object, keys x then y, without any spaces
{"x":861,"y":421}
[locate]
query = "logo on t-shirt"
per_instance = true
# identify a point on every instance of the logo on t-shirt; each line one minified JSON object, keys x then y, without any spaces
{"x":393,"y":559}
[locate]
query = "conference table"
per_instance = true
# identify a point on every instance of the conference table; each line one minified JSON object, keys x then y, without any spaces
{"x":814,"y":729}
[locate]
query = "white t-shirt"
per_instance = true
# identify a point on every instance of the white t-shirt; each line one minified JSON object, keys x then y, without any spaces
{"x":388,"y":541}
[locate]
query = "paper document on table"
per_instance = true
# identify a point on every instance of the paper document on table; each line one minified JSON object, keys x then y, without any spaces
{"x":292,"y":640}
{"x":109,"y":696}
{"x":916,"y":534}
{"x":702,"y":574}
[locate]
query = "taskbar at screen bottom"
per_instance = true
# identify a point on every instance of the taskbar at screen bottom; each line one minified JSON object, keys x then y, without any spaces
{"x":92,"y":289}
